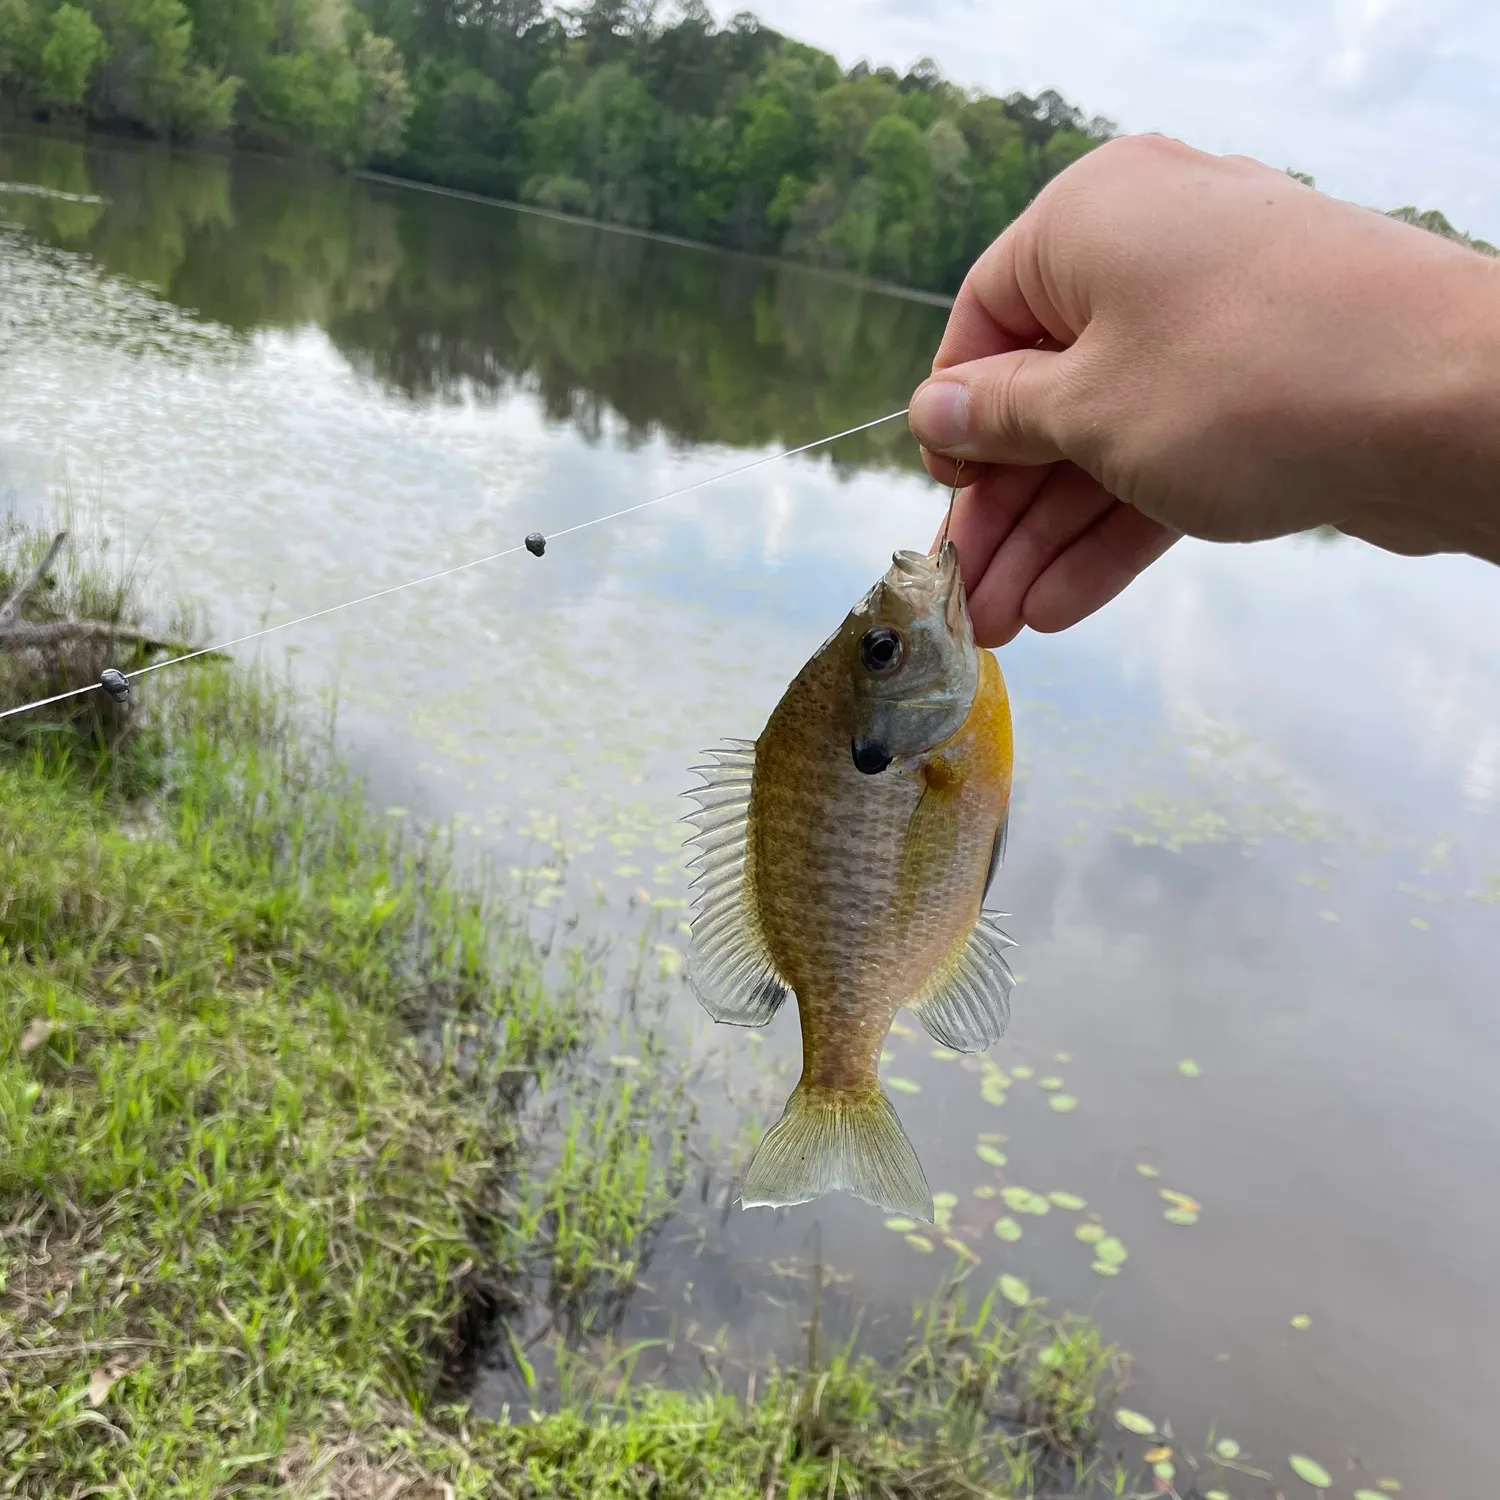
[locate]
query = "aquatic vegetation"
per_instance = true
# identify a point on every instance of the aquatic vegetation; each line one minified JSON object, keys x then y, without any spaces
{"x":1310,"y":1471}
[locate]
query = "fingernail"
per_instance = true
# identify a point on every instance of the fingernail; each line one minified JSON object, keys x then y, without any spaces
{"x":939,"y":415}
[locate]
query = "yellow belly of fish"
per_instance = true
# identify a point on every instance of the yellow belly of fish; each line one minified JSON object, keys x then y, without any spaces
{"x":866,"y":886}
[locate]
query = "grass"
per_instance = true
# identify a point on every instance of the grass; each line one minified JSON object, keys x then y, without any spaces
{"x":296,"y":1126}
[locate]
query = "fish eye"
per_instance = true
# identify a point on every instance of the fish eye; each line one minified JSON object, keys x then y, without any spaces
{"x":881,"y":650}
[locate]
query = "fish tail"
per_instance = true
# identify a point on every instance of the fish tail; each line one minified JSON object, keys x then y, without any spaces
{"x":837,"y":1140}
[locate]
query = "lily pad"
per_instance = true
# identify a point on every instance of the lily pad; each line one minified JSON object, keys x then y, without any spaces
{"x":1181,"y":1200}
{"x":1147,"y":1170}
{"x":943,"y":1054}
{"x":986,"y":1190}
{"x":1022,"y":1200}
{"x":1013,"y":1289}
{"x":920,"y":1242}
{"x":1007,"y":1229}
{"x":945,"y":1200}
{"x":1216,"y":1495}
{"x":960,"y":1249}
{"x":1051,"y":1084}
{"x":991,"y":1155}
{"x":1158,"y":1454}
{"x":1063,"y":1057}
{"x":1310,"y":1471}
{"x":901,"y":1224}
{"x":1301,"y":1322}
{"x":1090,"y":1234}
{"x":1133,"y":1421}
{"x":1070,"y":1201}
{"x":1165,"y":1470}
{"x":1180,"y":1216}
{"x":900,"y":1028}
{"x":1188,"y":1068}
{"x":903,"y":1085}
{"x":1063,"y":1104}
{"x":992,"y":1094}
{"x":1227,"y":1448}
{"x":1103,"y":1268}
{"x":1390,"y":1486}
{"x":887,"y":1057}
{"x":1111,"y":1250}
{"x":1369,"y":1495}
{"x":1020,"y":1071}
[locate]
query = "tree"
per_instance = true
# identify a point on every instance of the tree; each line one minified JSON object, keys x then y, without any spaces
{"x":74,"y":48}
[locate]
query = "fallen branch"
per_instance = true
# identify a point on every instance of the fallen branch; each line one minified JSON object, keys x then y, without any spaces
{"x":23,"y":636}
{"x":11,"y":609}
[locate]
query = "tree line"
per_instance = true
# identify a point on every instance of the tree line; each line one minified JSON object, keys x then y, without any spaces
{"x":730,"y":134}
{"x":617,"y":110}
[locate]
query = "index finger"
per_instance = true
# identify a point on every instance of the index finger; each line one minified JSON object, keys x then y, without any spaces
{"x":1005,"y":302}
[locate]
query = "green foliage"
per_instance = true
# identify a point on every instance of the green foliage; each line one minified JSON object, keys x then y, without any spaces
{"x":1435,"y":222}
{"x":730,"y":134}
{"x":73,"y":49}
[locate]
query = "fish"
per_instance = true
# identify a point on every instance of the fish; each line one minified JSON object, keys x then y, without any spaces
{"x":843,"y":857}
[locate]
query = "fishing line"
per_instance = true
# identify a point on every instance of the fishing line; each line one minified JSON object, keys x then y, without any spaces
{"x":117,"y":683}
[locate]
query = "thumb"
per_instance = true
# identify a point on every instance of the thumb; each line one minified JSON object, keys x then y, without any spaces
{"x":1005,"y":409}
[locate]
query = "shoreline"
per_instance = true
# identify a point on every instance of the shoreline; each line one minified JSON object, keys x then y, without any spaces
{"x":270,"y":1193}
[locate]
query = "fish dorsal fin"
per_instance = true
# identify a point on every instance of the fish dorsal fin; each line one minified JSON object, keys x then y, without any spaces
{"x":729,"y":967}
{"x":966,"y":1004}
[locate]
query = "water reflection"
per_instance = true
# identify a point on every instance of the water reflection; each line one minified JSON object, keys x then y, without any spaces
{"x":444,"y":299}
{"x":1255,"y":820}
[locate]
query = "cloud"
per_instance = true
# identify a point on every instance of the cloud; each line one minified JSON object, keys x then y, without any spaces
{"x":1383,"y":47}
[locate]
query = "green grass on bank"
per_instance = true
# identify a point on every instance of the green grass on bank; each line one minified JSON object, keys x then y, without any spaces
{"x":265,"y":1180}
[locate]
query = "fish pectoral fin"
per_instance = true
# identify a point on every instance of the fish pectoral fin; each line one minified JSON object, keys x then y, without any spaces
{"x":729,"y":967}
{"x":966,"y":1004}
{"x":997,"y":855}
{"x":830,"y":1141}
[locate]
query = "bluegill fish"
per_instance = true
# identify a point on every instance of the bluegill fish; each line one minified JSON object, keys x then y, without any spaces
{"x":843,"y":857}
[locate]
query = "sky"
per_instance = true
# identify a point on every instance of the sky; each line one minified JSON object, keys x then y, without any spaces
{"x":1387,"y":102}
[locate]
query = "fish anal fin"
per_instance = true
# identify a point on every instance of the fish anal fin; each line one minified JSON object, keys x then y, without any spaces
{"x":729,"y":967}
{"x":966,"y":1004}
{"x":837,"y":1140}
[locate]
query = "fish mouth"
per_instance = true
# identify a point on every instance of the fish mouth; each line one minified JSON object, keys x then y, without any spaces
{"x":870,"y":756}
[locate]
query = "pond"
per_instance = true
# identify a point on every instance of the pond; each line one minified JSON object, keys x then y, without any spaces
{"x":1254,"y":860}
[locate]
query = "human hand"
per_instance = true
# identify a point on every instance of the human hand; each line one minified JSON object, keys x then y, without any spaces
{"x":1167,"y":342}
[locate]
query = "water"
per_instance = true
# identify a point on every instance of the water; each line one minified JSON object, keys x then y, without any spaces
{"x":1256,"y":809}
